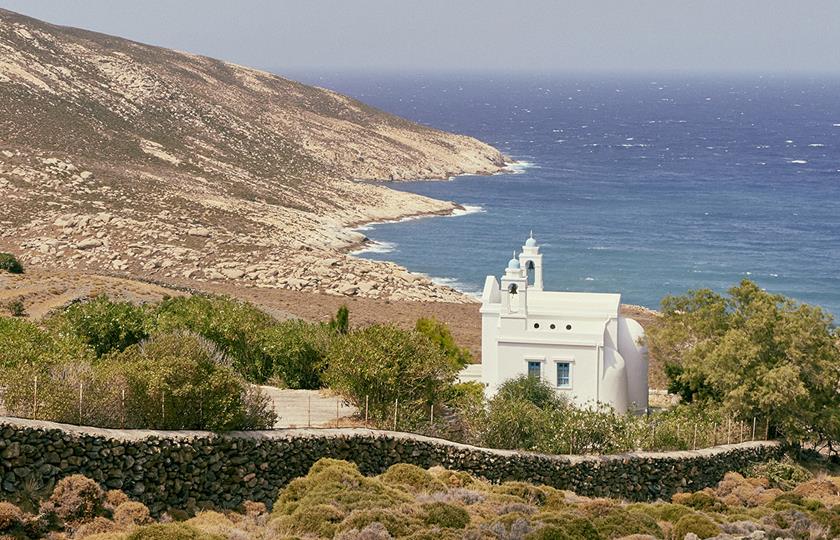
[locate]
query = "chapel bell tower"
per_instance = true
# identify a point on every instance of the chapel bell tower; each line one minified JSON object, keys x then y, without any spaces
{"x":531,"y":259}
{"x":514,"y":289}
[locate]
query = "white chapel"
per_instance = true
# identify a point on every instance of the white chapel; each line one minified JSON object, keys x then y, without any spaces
{"x":577,"y":342}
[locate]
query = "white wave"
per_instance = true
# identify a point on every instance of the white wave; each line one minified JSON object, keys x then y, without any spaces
{"x":374,"y":246}
{"x":455,"y":284}
{"x":519,"y":167}
{"x":588,"y":278}
{"x":774,"y":275}
{"x":797,"y":161}
{"x":467,"y":210}
{"x":816,"y":145}
{"x":836,"y":125}
{"x":789,"y":141}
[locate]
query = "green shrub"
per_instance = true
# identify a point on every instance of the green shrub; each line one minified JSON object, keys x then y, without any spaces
{"x":700,"y":500}
{"x":619,"y":522}
{"x":235,"y":326}
{"x":339,"y":484}
{"x":439,"y":334}
{"x":411,"y":478}
{"x":181,"y":381}
{"x":662,"y":511}
{"x":446,"y":515}
{"x":171,"y":531}
{"x":16,"y":308}
{"x":390,"y":366}
{"x":24,"y":343}
{"x":698,"y":524}
{"x":573,"y":524}
{"x":340,"y":324}
{"x":321,"y":520}
{"x":397,"y":524}
{"x":784,"y":474}
{"x":9,"y":263}
{"x":298,"y":351}
{"x":75,"y":499}
{"x":102,"y":324}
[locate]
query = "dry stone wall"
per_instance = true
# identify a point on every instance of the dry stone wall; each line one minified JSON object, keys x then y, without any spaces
{"x":190,"y":470}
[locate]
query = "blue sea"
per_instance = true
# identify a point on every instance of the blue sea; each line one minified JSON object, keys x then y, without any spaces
{"x":643,"y":185}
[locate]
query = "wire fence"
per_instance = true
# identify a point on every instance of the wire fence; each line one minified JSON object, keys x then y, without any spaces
{"x":76,"y":403}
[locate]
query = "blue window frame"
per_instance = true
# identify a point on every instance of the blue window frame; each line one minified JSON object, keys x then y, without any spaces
{"x":535,"y":369}
{"x":564,"y":374}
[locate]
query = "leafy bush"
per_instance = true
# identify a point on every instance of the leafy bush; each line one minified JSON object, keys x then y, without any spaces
{"x":439,"y":334}
{"x":235,"y":326}
{"x":698,"y":524}
{"x":23,"y":343}
{"x":102,"y":324}
{"x":388,"y":366}
{"x":180,"y":380}
{"x":395,"y":523}
{"x":9,"y":263}
{"x":75,"y":498}
{"x":297,"y":351}
{"x":620,"y":522}
{"x":785,"y":474}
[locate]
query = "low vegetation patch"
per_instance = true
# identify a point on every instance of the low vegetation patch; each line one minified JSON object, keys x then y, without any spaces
{"x":335,"y":500}
{"x":10,"y":263}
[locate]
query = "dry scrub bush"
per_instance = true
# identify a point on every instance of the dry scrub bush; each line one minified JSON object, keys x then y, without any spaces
{"x":735,"y":490}
{"x":75,"y":499}
{"x":821,"y":489}
{"x":131,"y":514}
{"x":99,"y":525}
{"x":445,"y":515}
{"x":114,"y":498}
{"x":11,"y":517}
{"x":374,"y":531}
{"x":395,"y":522}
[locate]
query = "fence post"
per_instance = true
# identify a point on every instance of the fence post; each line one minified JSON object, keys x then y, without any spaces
{"x":396,"y":408}
{"x":81,"y":385}
{"x":122,"y":407}
{"x":753,"y":433}
{"x":432,"y":414}
{"x":653,"y":436}
{"x":35,"y":400}
{"x":729,"y":430}
{"x":694,"y":444}
{"x":309,"y":409}
{"x":337,"y":414}
{"x":741,"y":431}
{"x":366,"y":411}
{"x":714,"y":434}
{"x":767,"y":428}
{"x":162,"y":408}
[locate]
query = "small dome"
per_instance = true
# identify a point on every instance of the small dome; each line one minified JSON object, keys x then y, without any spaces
{"x":513,"y":264}
{"x":531,"y":241}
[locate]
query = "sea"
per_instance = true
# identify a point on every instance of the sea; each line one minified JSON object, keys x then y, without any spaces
{"x":644,"y":185}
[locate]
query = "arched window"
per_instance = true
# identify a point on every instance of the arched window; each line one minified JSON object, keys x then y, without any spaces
{"x":513,"y":288}
{"x":530,"y":265}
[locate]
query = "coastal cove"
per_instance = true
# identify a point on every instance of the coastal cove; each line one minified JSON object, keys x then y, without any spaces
{"x":646,"y":186}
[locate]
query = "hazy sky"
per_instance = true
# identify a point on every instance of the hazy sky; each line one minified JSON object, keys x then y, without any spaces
{"x":488,"y":35}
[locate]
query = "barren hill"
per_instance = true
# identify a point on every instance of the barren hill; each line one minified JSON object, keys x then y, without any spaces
{"x":120,"y":156}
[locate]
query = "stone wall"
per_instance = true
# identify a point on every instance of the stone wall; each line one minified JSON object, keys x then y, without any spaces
{"x":187,"y":469}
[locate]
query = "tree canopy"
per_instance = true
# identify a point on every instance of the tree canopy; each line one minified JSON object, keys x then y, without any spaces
{"x":757,"y":354}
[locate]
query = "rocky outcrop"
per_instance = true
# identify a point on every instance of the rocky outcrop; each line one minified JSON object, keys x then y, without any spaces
{"x":194,"y":469}
{"x":121,"y":156}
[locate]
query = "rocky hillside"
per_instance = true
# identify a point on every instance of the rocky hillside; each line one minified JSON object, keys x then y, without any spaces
{"x":131,"y":158}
